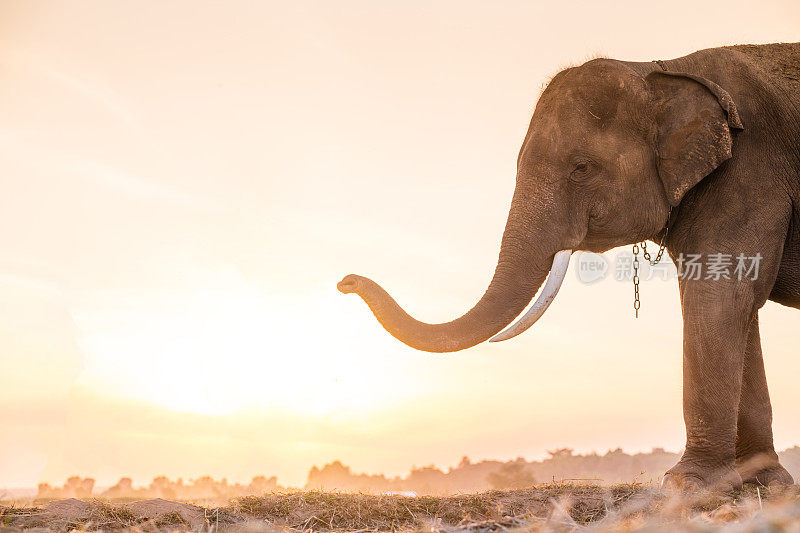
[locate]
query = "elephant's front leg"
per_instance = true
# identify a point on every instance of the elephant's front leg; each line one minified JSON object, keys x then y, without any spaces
{"x":756,"y":460}
{"x":716,"y":317}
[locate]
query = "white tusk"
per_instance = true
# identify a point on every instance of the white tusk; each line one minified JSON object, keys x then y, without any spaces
{"x":554,"y":281}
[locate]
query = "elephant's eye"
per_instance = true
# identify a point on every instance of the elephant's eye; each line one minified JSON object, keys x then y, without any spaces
{"x":580,"y":170}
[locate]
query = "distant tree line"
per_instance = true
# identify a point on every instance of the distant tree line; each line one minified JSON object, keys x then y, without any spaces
{"x":563,"y":464}
{"x":201,"y":489}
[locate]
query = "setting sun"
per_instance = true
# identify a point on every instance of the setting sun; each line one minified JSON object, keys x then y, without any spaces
{"x":228,"y":346}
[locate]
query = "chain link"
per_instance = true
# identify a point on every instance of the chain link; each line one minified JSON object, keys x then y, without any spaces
{"x":659,"y":255}
{"x":647,"y":257}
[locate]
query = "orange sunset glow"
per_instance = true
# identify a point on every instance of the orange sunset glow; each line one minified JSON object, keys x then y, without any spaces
{"x":184,"y":183}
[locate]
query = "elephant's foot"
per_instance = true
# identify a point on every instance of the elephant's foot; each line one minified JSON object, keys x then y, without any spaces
{"x":693,"y":476}
{"x":763,"y":469}
{"x":774,"y":476}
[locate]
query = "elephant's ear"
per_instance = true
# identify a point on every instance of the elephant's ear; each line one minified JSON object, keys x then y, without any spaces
{"x":694,"y":118}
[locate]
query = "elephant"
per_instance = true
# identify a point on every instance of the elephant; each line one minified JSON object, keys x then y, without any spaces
{"x":702,"y":151}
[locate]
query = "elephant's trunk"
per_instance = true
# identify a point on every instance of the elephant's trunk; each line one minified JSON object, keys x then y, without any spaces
{"x":522,"y":267}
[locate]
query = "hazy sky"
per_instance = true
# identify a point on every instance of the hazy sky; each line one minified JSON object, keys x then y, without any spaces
{"x":185,"y":182}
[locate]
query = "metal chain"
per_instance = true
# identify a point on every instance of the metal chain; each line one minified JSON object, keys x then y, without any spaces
{"x":636,"y":303}
{"x":661,"y":247}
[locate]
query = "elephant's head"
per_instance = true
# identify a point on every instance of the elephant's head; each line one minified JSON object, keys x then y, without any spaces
{"x":607,"y":153}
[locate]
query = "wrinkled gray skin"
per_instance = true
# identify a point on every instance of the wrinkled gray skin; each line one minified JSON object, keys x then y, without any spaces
{"x":612,"y":145}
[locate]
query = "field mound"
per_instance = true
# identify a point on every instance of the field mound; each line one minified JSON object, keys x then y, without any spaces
{"x":553,"y":507}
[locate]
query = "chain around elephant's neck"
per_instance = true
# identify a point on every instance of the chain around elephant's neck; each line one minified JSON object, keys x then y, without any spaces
{"x":662,"y":245}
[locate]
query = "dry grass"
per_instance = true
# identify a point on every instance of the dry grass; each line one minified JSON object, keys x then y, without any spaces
{"x":551,"y":507}
{"x":102,"y":516}
{"x":333,"y":511}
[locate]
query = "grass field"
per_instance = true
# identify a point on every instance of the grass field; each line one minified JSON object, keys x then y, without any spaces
{"x":551,"y":507}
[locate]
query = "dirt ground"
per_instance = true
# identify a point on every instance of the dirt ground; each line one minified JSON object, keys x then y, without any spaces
{"x":552,"y":507}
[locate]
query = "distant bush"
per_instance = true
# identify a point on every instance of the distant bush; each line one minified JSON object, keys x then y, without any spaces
{"x":516,"y":475}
